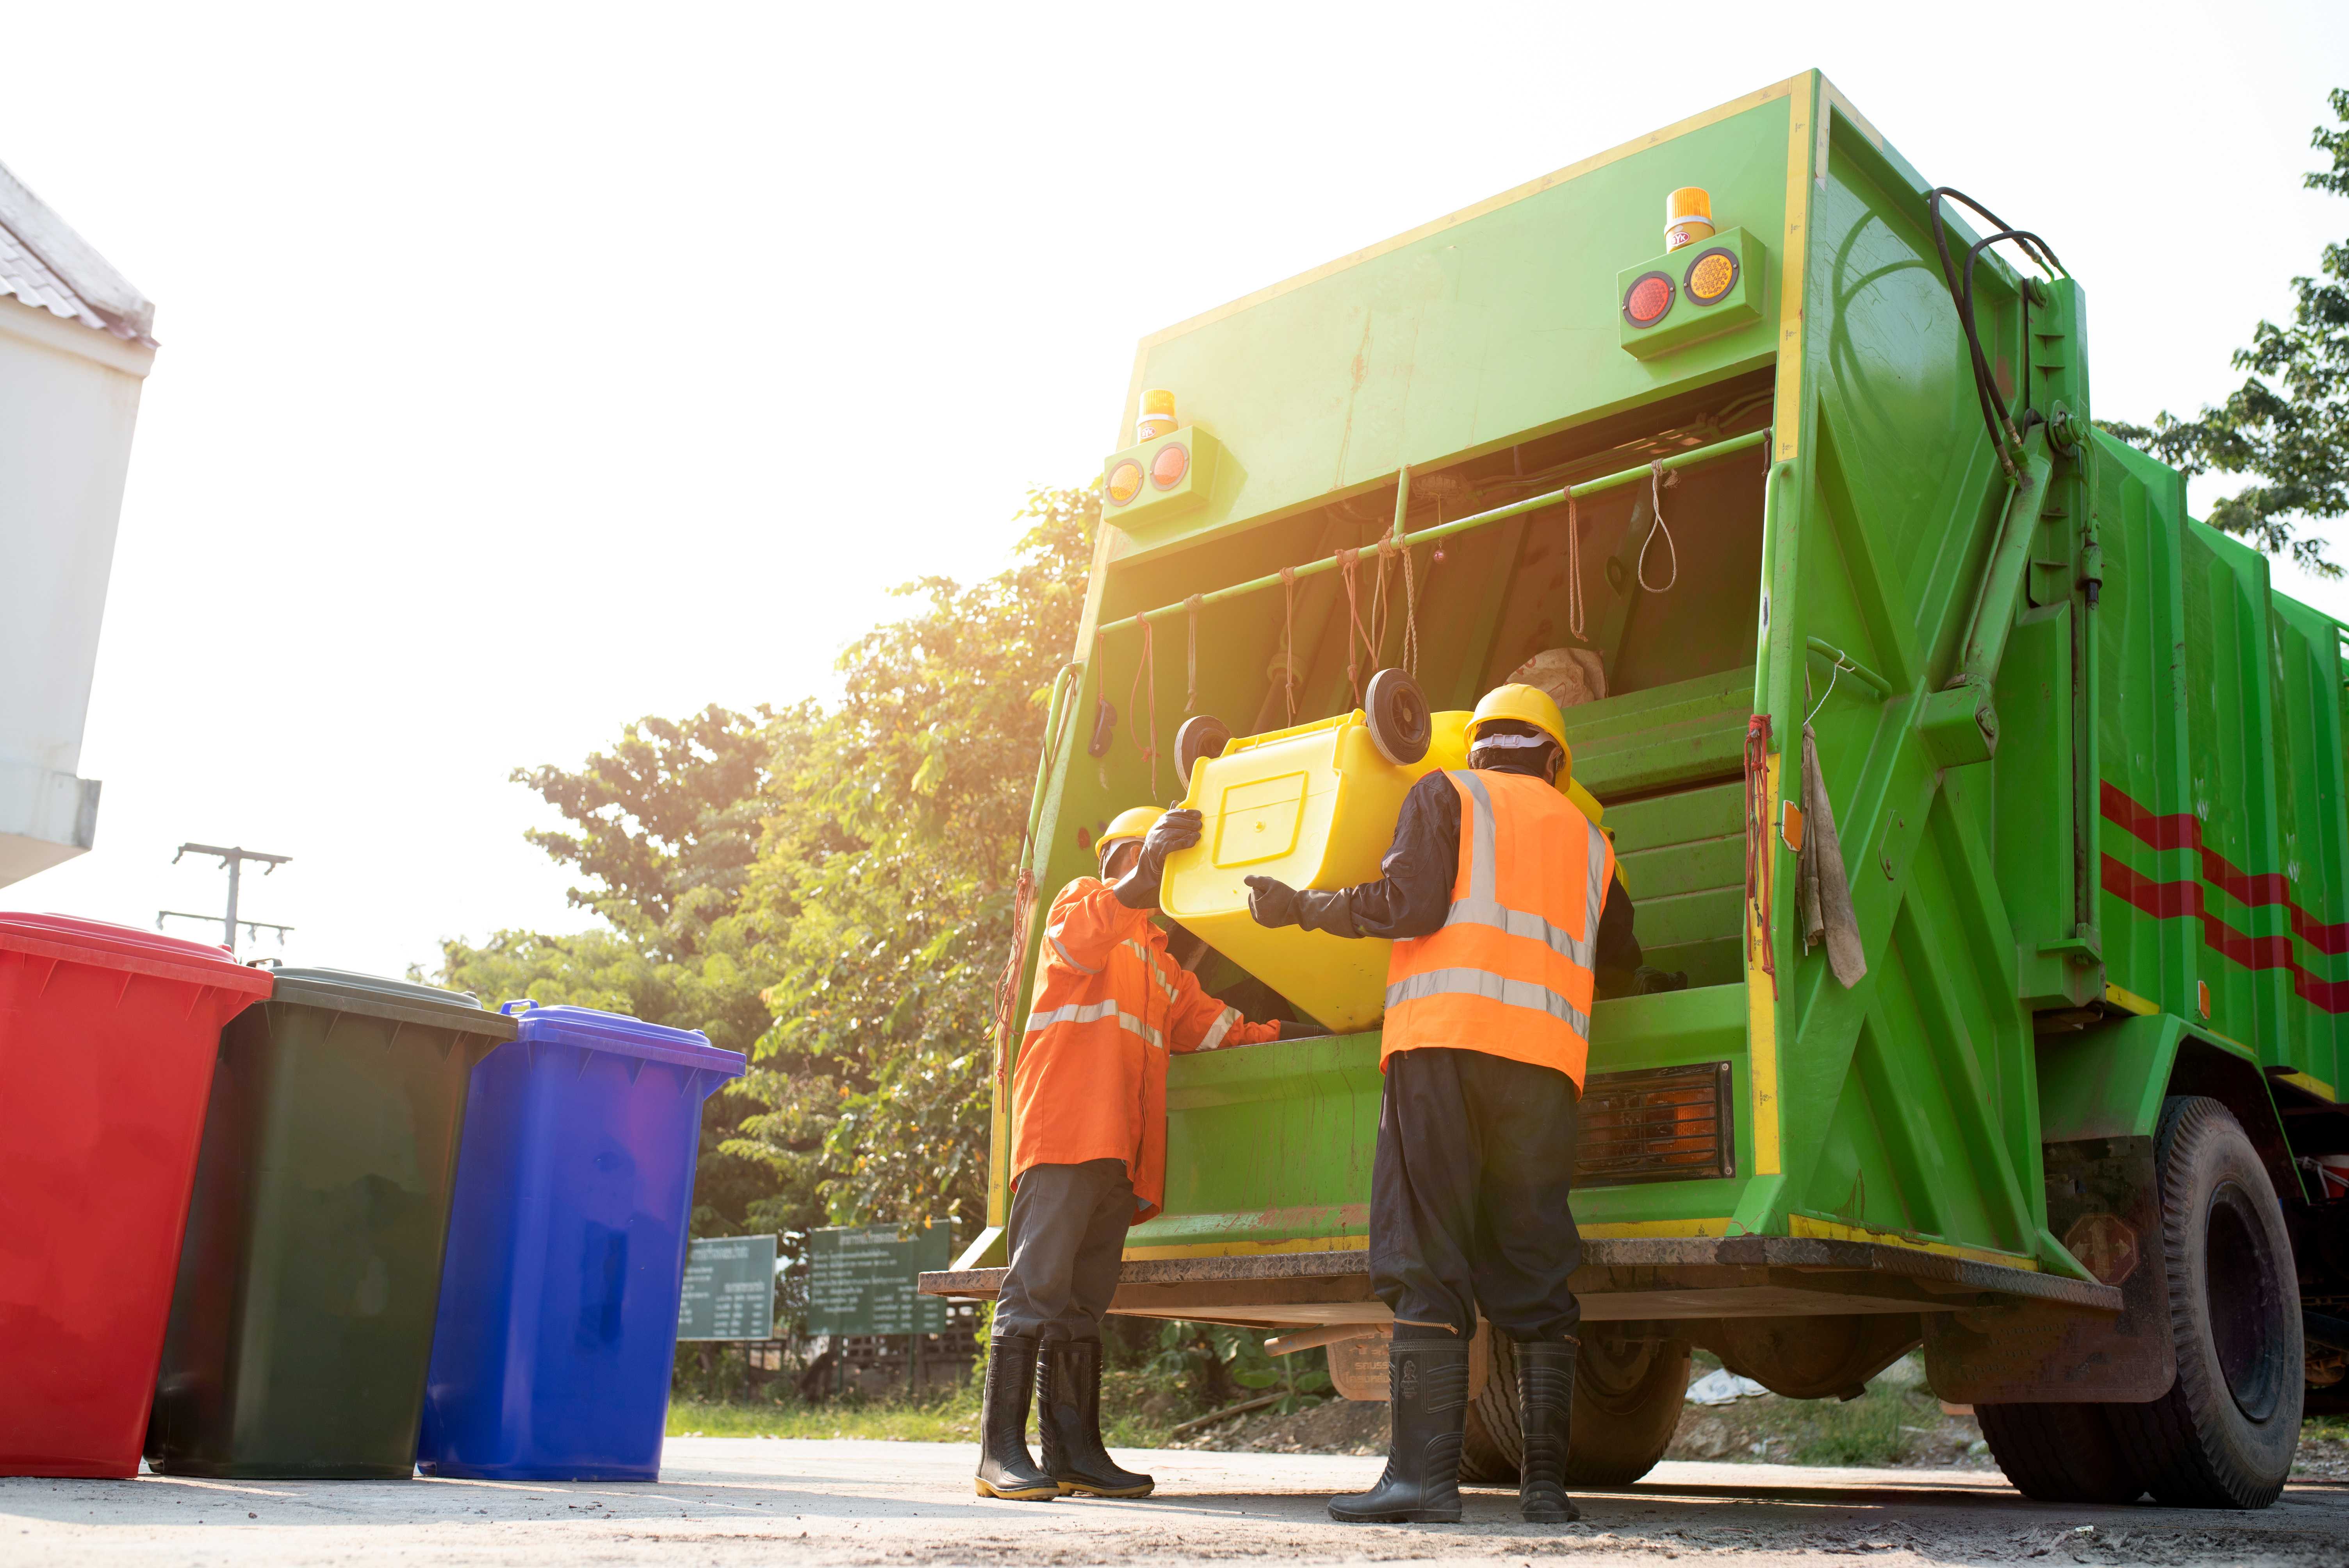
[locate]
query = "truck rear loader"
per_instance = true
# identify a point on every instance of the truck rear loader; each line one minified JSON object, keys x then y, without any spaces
{"x":1808,"y":506}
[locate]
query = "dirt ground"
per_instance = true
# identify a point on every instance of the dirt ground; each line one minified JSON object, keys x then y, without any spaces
{"x":1910,"y":1431}
{"x":736,"y":1503}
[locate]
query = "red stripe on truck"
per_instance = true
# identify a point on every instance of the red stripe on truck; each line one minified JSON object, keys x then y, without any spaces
{"x":2178,"y":900}
{"x":2181,"y":831}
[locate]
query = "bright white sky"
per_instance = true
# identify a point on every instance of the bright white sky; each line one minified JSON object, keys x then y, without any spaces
{"x":529,"y":370}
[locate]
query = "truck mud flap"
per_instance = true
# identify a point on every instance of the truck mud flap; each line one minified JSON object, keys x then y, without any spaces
{"x":2103,"y":1201}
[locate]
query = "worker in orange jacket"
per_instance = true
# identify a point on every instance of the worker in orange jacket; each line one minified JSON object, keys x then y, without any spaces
{"x":1089,"y":1153}
{"x":1508,"y":921}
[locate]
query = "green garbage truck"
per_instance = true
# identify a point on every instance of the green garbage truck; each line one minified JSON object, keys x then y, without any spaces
{"x":1993,"y":805}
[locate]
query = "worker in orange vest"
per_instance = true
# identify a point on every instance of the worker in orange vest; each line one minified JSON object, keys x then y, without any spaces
{"x":1509,"y":921}
{"x":1089,"y":1153}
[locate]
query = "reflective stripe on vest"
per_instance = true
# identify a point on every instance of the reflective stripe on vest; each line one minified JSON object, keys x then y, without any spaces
{"x":1082,"y":1013}
{"x":1150,"y":963}
{"x":1493,"y":987}
{"x":1481,"y":908}
{"x":1052,"y":934}
{"x":1489,"y":955}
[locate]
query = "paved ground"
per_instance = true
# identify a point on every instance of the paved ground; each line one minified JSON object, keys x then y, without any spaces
{"x":727,"y":1501}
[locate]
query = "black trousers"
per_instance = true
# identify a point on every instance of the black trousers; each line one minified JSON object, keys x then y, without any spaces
{"x":1067,"y":1234}
{"x":1468,"y":1196}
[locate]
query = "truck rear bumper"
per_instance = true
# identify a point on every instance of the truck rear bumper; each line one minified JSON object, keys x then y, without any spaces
{"x":1620,"y":1279}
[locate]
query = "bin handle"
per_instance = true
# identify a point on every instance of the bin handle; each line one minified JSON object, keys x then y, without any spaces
{"x":511,"y":1008}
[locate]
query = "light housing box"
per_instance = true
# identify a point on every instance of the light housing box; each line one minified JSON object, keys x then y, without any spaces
{"x":1161,"y":479}
{"x":1691,"y":273}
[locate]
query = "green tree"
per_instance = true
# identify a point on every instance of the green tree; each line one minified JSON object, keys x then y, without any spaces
{"x":826,"y":889}
{"x":885,"y":877}
{"x":665,"y":826}
{"x":2289,"y":421}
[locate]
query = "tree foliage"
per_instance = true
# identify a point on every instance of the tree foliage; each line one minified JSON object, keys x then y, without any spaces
{"x":885,"y":876}
{"x":826,"y":889}
{"x":2289,"y":421}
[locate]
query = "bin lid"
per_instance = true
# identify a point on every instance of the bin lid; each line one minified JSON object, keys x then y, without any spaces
{"x":109,"y":946}
{"x":617,"y":1032}
{"x":348,"y":991}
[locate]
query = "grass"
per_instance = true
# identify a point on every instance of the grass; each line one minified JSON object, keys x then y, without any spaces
{"x":892,"y":1422}
{"x":1897,"y":1421}
{"x":1137,"y":1414}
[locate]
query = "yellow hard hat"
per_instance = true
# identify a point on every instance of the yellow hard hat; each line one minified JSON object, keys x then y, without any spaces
{"x":1526,"y":704}
{"x":1134,"y":822}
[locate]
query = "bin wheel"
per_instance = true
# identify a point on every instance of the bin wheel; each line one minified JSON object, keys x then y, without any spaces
{"x":1627,"y":1395}
{"x":2225,"y":1433}
{"x":1400,"y":725}
{"x":1202,"y":735}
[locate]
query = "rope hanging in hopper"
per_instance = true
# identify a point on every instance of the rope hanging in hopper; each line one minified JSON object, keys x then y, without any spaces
{"x":1190,"y":696}
{"x":1346,"y":562}
{"x":1145,"y":681}
{"x":1411,"y":613}
{"x":1288,"y":640}
{"x":1658,"y":479}
{"x":1573,"y":617}
{"x":1757,"y":848}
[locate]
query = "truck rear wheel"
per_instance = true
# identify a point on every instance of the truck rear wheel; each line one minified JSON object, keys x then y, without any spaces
{"x":2225,"y":1433}
{"x":1627,"y":1395}
{"x":2061,"y":1453}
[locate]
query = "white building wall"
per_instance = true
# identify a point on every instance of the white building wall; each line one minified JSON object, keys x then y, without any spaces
{"x":69,"y":401}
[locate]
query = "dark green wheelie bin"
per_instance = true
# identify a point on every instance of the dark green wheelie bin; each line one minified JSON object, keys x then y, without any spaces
{"x":302,"y":1318}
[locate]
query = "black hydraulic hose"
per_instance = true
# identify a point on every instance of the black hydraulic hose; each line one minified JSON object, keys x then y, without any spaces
{"x":1980,"y":362}
{"x":2040,"y":251}
{"x":1962,"y":293}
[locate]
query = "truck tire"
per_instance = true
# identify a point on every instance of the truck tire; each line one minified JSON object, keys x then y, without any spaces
{"x":1627,"y":1395}
{"x":2225,"y":1433}
{"x":2061,"y":1453}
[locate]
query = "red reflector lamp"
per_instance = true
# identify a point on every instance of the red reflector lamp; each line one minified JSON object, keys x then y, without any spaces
{"x":1167,"y":469}
{"x":1124,"y":482}
{"x":1650,"y":296}
{"x":1711,"y":276}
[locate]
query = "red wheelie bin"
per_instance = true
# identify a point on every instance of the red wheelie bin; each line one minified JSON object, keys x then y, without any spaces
{"x":107,"y":1036}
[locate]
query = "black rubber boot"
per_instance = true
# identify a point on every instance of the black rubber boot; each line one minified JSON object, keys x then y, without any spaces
{"x":1545,"y":1416}
{"x":1004,"y":1468}
{"x":1429,"y":1379}
{"x":1067,"y":1418}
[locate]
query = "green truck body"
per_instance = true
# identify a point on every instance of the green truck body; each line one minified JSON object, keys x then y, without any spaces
{"x":2084,"y":763}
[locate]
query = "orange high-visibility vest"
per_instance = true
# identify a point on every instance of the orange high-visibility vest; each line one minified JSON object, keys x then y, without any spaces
{"x":1515,"y":967}
{"x":1110,"y":1004}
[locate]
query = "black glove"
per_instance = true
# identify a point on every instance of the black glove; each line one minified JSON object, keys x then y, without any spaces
{"x":1647,"y":982}
{"x":1307,"y":1031}
{"x":1275,"y":902}
{"x":1272,"y":902}
{"x":1177,"y":830}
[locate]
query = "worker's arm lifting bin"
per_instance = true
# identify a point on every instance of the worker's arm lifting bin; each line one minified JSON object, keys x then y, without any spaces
{"x":557,"y":1327}
{"x":302,"y":1321}
{"x":1313,"y":806}
{"x":107,"y":1041}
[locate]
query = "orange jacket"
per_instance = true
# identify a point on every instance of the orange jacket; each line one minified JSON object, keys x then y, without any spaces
{"x":1110,"y":1004}
{"x":1511,"y":971}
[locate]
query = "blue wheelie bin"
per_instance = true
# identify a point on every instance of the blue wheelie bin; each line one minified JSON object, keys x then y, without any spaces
{"x":557,"y":1325}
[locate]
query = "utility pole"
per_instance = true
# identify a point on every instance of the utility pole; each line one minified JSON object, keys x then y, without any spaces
{"x":232,"y":857}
